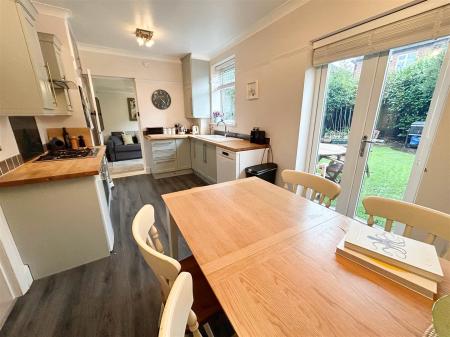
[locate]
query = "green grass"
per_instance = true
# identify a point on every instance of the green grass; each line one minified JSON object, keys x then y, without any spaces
{"x":389,"y":174}
{"x":389,"y":170}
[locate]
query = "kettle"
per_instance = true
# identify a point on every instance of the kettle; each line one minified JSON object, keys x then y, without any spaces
{"x":195,"y":130}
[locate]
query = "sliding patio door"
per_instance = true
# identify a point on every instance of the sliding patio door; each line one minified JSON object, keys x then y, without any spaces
{"x":375,"y":120}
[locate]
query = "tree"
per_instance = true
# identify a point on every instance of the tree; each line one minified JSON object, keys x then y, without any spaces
{"x":342,"y":87}
{"x":408,"y":93}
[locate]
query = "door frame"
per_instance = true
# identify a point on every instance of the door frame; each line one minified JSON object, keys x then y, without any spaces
{"x":371,"y":85}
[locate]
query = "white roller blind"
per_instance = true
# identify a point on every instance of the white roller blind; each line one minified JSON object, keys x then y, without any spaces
{"x":224,"y":75}
{"x":426,"y":26}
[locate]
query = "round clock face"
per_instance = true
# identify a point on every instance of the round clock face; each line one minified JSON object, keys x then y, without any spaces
{"x":161,"y":99}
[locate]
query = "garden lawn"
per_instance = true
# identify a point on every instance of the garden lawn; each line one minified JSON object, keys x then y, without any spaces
{"x":389,"y":174}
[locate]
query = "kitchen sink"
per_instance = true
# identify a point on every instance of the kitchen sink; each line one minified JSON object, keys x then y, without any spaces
{"x":217,"y":138}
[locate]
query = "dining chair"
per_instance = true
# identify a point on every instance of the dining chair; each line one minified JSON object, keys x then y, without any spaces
{"x":320,"y":187}
{"x":434,"y":223}
{"x":178,"y":309}
{"x":167,"y":268}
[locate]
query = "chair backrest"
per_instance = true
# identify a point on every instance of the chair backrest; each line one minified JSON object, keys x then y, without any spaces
{"x":177,"y":311}
{"x":146,"y":236}
{"x":434,"y":223}
{"x":317,"y":185}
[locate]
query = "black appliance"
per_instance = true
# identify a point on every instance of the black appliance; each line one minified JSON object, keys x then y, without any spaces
{"x":56,"y":144}
{"x":265,"y":171}
{"x":69,"y":154}
{"x":27,"y":137}
{"x":154,"y":131}
{"x":257,"y":136}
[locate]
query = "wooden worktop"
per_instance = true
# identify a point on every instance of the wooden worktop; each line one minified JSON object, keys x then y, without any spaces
{"x":41,"y":171}
{"x":232,"y":145}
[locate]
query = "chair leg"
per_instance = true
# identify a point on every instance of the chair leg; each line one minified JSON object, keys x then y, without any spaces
{"x":160,"y":315}
{"x":208,"y":330}
{"x":193,"y":324}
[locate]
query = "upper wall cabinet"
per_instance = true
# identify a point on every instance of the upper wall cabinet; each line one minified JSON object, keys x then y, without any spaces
{"x":25,"y":84}
{"x":196,"y":85}
{"x":51,"y":50}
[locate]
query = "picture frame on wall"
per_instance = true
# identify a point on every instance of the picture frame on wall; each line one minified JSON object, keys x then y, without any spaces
{"x":252,"y":90}
{"x":132,"y":109}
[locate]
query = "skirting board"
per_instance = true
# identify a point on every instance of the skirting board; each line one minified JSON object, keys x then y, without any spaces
{"x":171,"y":174}
{"x":6,"y":312}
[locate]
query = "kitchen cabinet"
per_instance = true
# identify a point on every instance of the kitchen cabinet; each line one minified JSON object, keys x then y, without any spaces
{"x":196,"y":87}
{"x":204,"y":160}
{"x":51,"y":51}
{"x":183,"y":154}
{"x":24,"y":76}
{"x":164,"y":156}
{"x":210,"y":162}
{"x":170,"y":156}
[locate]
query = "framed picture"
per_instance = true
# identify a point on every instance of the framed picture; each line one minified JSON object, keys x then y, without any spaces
{"x":252,"y":90}
{"x":132,"y":110}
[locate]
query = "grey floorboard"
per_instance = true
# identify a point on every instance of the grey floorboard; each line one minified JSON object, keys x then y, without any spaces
{"x":117,"y":296}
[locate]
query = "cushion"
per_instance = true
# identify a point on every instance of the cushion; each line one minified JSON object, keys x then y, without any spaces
{"x":116,"y":140}
{"x":135,"y":139}
{"x":127,"y":139}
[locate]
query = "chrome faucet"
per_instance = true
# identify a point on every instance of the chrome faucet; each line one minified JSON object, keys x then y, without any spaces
{"x":225,"y":126}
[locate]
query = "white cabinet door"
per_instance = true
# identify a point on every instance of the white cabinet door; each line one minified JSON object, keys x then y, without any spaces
{"x":200,"y":158}
{"x":40,"y":67}
{"x":210,"y":162}
{"x":183,"y":154}
{"x":24,"y":82}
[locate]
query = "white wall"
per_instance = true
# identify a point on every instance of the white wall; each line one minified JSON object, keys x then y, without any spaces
{"x":434,"y":190}
{"x":114,"y":109}
{"x":278,"y":57}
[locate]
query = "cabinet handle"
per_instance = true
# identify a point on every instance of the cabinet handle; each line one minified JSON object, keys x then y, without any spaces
{"x":51,"y":83}
{"x":204,"y":153}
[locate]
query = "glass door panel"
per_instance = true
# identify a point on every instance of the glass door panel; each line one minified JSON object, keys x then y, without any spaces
{"x":342,"y":81}
{"x":389,"y":153}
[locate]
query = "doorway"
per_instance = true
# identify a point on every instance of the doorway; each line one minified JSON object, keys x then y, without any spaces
{"x":374,"y":122}
{"x":118,"y":121}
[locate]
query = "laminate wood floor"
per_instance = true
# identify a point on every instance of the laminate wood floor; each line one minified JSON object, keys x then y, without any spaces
{"x":117,"y":296}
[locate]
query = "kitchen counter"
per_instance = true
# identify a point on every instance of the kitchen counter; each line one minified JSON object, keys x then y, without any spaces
{"x":36,"y":172}
{"x":232,"y":145}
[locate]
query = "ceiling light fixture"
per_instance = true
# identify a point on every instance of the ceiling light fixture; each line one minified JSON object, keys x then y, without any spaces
{"x":144,"y":37}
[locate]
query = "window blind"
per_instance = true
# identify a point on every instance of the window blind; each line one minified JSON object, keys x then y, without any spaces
{"x":425,"y":26}
{"x":224,"y":75}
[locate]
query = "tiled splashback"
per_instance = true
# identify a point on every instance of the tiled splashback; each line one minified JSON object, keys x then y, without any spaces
{"x":10,"y":164}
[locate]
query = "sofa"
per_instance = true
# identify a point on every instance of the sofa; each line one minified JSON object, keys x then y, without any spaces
{"x":116,"y":150}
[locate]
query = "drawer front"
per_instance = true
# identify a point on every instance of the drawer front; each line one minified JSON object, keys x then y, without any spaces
{"x":164,"y":165}
{"x":160,"y":145}
{"x":157,"y":154}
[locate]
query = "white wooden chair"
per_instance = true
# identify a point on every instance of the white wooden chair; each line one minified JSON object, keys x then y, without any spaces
{"x":167,"y":269}
{"x":434,"y":223}
{"x":177,"y":312}
{"x":320,"y":187}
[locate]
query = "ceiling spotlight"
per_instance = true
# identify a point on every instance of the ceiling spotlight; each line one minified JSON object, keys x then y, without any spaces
{"x":144,"y":37}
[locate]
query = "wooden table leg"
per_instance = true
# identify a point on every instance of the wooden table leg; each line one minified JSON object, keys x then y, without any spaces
{"x":172,"y":232}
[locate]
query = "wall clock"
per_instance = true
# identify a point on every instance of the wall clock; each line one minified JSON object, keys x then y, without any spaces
{"x":161,"y":99}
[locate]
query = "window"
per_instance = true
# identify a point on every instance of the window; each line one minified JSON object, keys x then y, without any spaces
{"x":405,"y":60}
{"x":223,"y":92}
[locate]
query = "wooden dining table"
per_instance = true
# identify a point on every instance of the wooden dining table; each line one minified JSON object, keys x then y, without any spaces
{"x":269,"y":256}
